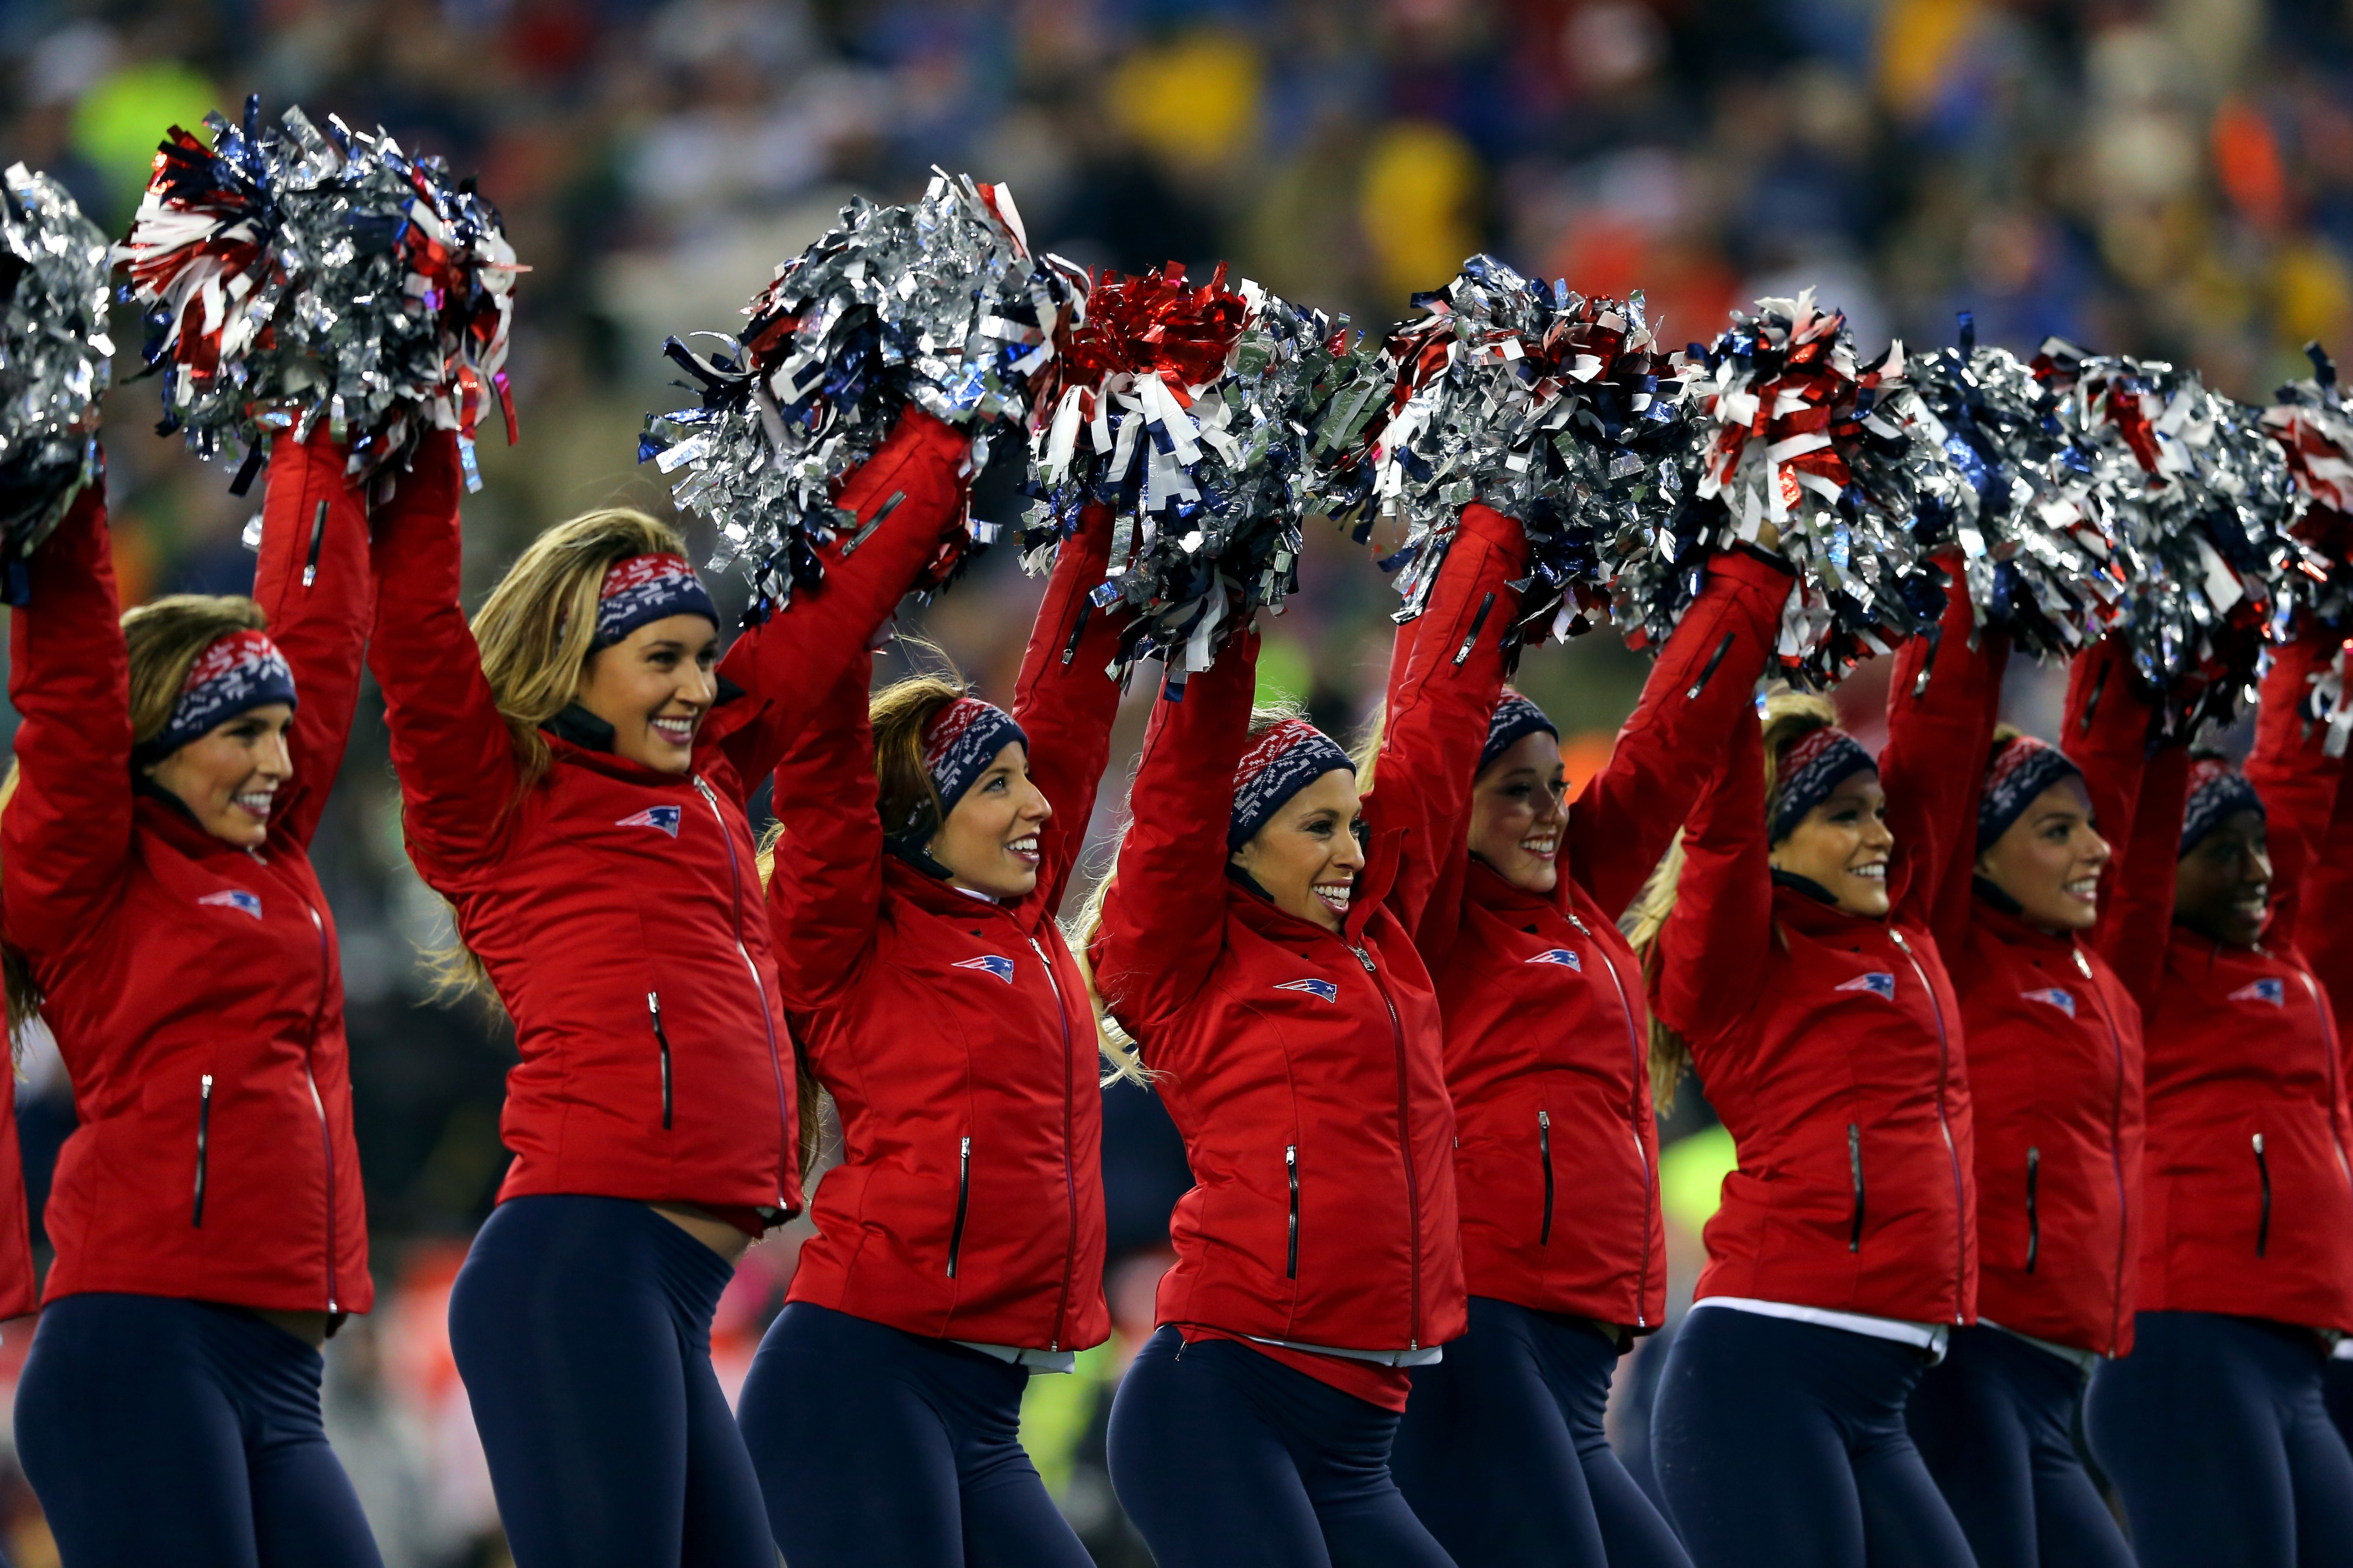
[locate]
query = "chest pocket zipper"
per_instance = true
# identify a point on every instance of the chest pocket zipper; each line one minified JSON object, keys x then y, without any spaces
{"x":964,"y":1200}
{"x":662,"y":1043}
{"x":1854,"y":1165}
{"x":203,"y":1138}
{"x":1291,"y":1175}
{"x":2033,"y":1217}
{"x":2264,"y":1222}
{"x":1544,"y":1154}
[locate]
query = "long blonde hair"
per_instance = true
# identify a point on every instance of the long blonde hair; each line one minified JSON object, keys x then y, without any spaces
{"x":163,"y":640}
{"x":1789,"y":716}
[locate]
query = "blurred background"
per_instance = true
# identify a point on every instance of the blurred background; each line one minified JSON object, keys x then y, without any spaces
{"x":2163,"y":177}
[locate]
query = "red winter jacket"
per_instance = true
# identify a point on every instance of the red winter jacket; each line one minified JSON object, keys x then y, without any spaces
{"x":616,"y":906}
{"x":1548,"y":1040}
{"x":194,"y":986}
{"x":1829,"y":1043}
{"x":2055,"y":1041}
{"x":953,"y":1032}
{"x":2326,"y":936}
{"x":2250,"y":1198}
{"x":1303,"y":1069}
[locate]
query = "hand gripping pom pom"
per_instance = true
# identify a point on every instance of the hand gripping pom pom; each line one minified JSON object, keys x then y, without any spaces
{"x":291,"y":275}
{"x":54,"y":362}
{"x":1185,"y":410}
{"x":938,"y":304}
{"x":1556,"y":410}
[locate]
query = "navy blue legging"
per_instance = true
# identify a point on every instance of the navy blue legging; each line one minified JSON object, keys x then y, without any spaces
{"x":1502,"y":1451}
{"x":1996,"y":1421}
{"x":1227,"y":1458}
{"x":157,"y":1430}
{"x":582,"y":1328}
{"x":2215,"y":1435}
{"x":1781,"y":1445}
{"x":879,"y":1447}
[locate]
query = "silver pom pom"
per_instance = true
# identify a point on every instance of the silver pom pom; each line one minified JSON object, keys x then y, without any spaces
{"x":54,"y":363}
{"x":2313,"y":423}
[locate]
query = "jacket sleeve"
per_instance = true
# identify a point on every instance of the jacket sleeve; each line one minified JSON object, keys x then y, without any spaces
{"x":1940,"y":720}
{"x":2296,"y":778}
{"x":450,"y":747}
{"x":315,"y":584}
{"x":1702,"y":688}
{"x":1439,"y":707}
{"x":913,"y":486}
{"x":1064,"y":700}
{"x":2326,"y":937}
{"x":65,"y":832}
{"x":2136,"y":797}
{"x":825,"y":893}
{"x":1712,"y":955}
{"x":1164,"y":919}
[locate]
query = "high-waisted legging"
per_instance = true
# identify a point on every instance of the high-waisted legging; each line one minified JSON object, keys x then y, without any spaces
{"x":878,"y":1446}
{"x":582,"y":1328}
{"x":1781,"y":1445}
{"x":1502,"y":1451}
{"x":1996,"y":1421}
{"x":157,"y":1430}
{"x":2215,"y":1435}
{"x":1227,"y":1458}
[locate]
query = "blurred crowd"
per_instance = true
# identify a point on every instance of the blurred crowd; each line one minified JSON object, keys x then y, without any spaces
{"x":2165,"y":177}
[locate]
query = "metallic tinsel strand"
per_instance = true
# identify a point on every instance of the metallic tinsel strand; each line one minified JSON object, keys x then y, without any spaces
{"x":54,"y":362}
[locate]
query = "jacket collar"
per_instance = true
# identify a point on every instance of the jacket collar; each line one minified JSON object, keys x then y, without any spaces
{"x":167,"y":817}
{"x":1808,"y":906}
{"x":937,"y":896}
{"x":2002,"y":917}
{"x":1491,"y":889}
{"x":1245,"y":898}
{"x":580,"y":734}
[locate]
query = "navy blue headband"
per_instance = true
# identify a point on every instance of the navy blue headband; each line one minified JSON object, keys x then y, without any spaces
{"x":960,"y":743}
{"x":1514,"y":718}
{"x":1816,"y":763}
{"x":1284,"y":760}
{"x":2218,"y":791}
{"x":238,"y":672}
{"x":2022,"y":768}
{"x":644,"y":589}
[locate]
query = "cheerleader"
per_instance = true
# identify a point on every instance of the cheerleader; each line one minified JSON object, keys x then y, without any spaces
{"x":162,"y":913}
{"x":2213,"y":1430}
{"x":572,"y":772}
{"x":1502,"y":1452}
{"x":1254,"y":941}
{"x":1788,"y":945}
{"x":923,"y":844}
{"x":2054,"y":1054}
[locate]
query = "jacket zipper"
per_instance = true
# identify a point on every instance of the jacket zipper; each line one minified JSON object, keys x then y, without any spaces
{"x":1544,"y":1154}
{"x":326,"y":1138}
{"x":2263,"y":1222}
{"x":1634,"y":1104}
{"x":1944,"y":1077}
{"x":1405,"y":1140}
{"x":662,"y":1043}
{"x":964,"y":1197}
{"x":767,"y":1021}
{"x":1854,"y":1170}
{"x":1291,"y":1175}
{"x":1069,"y":1177}
{"x":204,"y":1137}
{"x":1714,"y":659}
{"x":318,"y":538}
{"x":2033,"y":1216}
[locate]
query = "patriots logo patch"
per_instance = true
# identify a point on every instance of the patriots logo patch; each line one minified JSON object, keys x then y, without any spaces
{"x":1322,"y":988}
{"x":989,"y":963}
{"x":2062,"y":1000}
{"x":2268,"y":989}
{"x":1876,"y":983}
{"x":665,"y":817}
{"x":1563,"y":956}
{"x":239,"y":900}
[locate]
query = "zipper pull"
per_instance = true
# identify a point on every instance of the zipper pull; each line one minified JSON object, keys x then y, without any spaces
{"x":2082,"y":964}
{"x":1582,"y":928}
{"x":318,"y":538}
{"x":1366,"y":959}
{"x":1900,"y":942}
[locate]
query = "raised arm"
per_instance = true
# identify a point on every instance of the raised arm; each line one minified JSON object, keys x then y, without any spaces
{"x":909,"y":493}
{"x":315,"y":585}
{"x":1701,"y":689}
{"x":65,"y":832}
{"x":825,"y":892}
{"x":2326,"y":936}
{"x":1164,"y":919}
{"x":1940,"y":720}
{"x":1064,"y":701}
{"x":2136,"y":797}
{"x":2291,"y":769}
{"x":451,"y":749}
{"x":1452,"y":655}
{"x":1712,"y":955}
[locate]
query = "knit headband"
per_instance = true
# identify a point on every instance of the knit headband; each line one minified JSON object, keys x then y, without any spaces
{"x":1816,"y":763}
{"x":2217,"y":793}
{"x":959,"y":743}
{"x":1284,"y":760}
{"x":644,"y":589}
{"x":238,"y":672}
{"x":1514,"y":718}
{"x":2022,"y":769}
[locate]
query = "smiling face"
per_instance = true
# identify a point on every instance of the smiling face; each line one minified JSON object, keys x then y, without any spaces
{"x":2049,"y":859}
{"x":653,"y":687}
{"x":1842,"y":845}
{"x":229,"y":776}
{"x":1307,"y":857}
{"x":1518,"y":810}
{"x":989,"y":842}
{"x":2223,"y":888}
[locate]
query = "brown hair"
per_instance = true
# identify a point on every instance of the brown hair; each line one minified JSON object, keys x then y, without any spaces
{"x":1789,"y":716}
